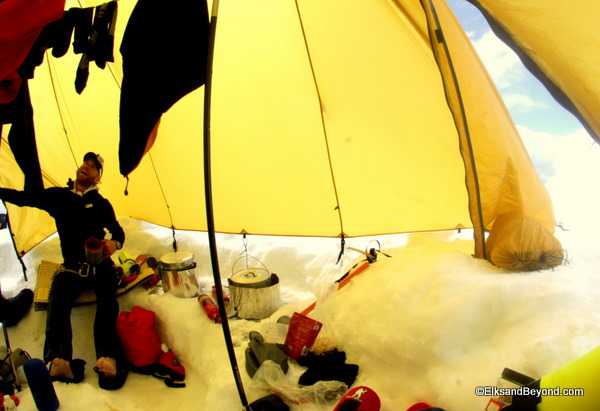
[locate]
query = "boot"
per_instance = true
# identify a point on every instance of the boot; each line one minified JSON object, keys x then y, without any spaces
{"x":14,"y":308}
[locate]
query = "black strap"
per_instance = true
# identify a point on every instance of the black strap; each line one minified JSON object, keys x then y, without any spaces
{"x":343,"y":246}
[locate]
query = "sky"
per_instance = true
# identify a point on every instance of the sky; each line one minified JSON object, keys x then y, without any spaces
{"x":527,"y":100}
{"x":566,"y":158}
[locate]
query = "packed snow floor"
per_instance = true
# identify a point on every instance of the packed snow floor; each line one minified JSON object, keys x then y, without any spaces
{"x":430,"y":323}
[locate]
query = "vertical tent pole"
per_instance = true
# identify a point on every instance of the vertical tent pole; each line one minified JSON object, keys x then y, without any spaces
{"x":209,"y":208}
{"x":12,"y":240}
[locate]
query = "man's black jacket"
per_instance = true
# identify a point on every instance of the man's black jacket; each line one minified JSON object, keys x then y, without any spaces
{"x":78,"y":217}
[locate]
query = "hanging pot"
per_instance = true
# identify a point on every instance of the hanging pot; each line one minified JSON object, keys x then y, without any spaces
{"x":254,"y":291}
{"x":178,"y":274}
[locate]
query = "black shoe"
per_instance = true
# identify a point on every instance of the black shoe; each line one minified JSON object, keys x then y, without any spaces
{"x":14,"y":308}
{"x":77,"y":368}
{"x":112,"y":383}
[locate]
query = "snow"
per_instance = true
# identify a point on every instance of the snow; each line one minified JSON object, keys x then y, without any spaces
{"x":429,"y":324}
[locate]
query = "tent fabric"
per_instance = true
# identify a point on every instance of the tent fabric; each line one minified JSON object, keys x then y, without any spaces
{"x":560,"y":49}
{"x":320,"y":126}
{"x":519,"y":243}
{"x":500,"y":176}
{"x":161,"y":63}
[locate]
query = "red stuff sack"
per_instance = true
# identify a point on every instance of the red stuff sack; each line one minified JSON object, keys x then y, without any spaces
{"x":139,"y":338}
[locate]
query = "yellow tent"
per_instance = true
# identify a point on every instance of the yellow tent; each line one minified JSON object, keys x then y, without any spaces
{"x":328,"y":118}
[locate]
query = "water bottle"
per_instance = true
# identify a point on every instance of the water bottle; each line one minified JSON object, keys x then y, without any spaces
{"x":40,"y":383}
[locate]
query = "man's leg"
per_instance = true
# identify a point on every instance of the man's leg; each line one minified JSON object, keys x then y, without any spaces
{"x":109,"y":353}
{"x":66,"y":287}
{"x":106,"y":339}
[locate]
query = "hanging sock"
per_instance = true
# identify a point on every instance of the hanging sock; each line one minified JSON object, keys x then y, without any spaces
{"x":104,"y":32}
{"x":62,"y":31}
{"x":99,"y":44}
{"x":83,"y":29}
{"x":22,"y":141}
{"x":82,"y":75}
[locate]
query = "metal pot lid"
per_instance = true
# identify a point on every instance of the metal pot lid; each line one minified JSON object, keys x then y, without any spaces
{"x":177,"y":260}
{"x":251,"y":276}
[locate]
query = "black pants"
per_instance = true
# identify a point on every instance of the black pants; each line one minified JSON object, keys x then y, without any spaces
{"x":66,"y":287}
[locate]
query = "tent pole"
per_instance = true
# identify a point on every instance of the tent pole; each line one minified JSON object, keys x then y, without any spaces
{"x":12,"y":240}
{"x":209,"y":208}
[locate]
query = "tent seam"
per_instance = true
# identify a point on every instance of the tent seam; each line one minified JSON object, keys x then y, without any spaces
{"x":60,"y":114}
{"x":463,"y":118}
{"x":324,"y":127}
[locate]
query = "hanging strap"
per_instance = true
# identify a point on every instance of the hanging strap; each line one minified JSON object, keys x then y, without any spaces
{"x":343,"y":245}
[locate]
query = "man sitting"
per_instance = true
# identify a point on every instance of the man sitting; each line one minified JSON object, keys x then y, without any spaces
{"x":81,"y":213}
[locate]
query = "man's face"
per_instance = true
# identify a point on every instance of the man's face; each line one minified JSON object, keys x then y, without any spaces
{"x":87,"y":174}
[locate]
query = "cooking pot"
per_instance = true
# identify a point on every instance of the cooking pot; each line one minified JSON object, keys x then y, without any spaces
{"x":178,"y":274}
{"x":254,"y":291}
{"x":252,"y":278}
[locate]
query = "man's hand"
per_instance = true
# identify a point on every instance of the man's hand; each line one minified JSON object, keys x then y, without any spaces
{"x":109,"y":248}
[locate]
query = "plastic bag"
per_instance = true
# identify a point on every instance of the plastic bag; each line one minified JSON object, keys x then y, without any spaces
{"x":7,"y":378}
{"x":271,"y":377}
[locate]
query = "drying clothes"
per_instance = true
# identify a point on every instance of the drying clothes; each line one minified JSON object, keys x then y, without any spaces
{"x":21,"y":22}
{"x":164,"y":53}
{"x":21,"y":137}
{"x":56,"y":36}
{"x":94,"y":40}
{"x":19,"y":112}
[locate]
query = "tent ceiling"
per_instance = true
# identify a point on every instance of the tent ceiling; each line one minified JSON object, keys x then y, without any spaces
{"x":327,"y":118}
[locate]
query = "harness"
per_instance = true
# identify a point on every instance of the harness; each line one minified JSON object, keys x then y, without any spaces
{"x":85,"y":270}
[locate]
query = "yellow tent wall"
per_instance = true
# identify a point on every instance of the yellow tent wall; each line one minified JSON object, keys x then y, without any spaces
{"x":328,"y":118}
{"x":560,"y":49}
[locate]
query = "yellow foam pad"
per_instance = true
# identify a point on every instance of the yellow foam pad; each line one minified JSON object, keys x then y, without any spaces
{"x":47,"y":271}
